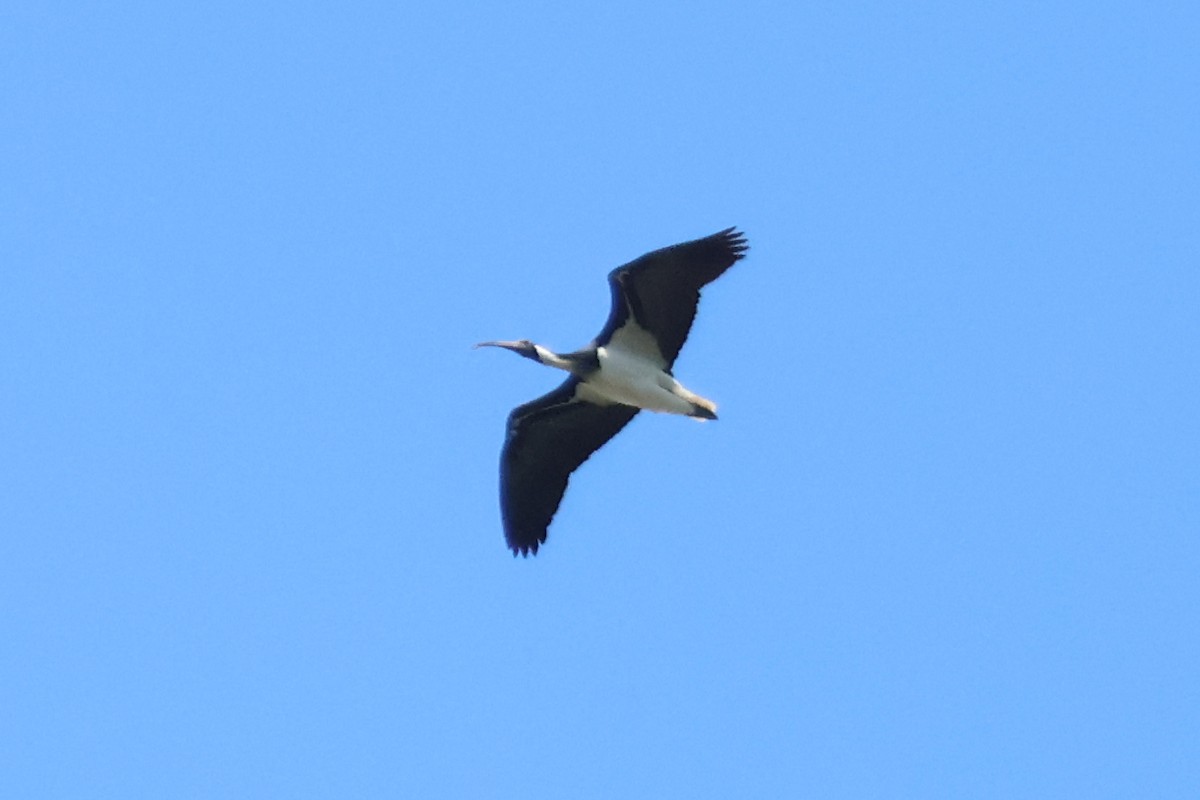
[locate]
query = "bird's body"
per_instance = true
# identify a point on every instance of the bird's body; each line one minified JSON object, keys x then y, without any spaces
{"x":632,"y":379}
{"x":627,"y":368}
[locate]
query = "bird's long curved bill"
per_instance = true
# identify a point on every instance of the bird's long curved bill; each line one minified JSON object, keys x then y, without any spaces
{"x":507,"y":345}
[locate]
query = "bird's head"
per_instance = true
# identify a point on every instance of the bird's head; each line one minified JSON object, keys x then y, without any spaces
{"x":523,"y":347}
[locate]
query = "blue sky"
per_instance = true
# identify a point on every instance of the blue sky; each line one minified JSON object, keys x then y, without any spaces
{"x":943,"y":542}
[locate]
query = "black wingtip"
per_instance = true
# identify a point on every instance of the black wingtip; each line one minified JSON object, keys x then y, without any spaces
{"x":735,"y":240}
{"x":522,"y":549}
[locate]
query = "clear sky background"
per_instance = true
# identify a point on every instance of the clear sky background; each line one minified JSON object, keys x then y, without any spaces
{"x":943,"y":542}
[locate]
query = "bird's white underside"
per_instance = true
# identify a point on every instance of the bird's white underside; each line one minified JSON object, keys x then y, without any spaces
{"x":632,"y":378}
{"x":634,"y":341}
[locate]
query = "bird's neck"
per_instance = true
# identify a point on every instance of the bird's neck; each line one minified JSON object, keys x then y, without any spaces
{"x":552,"y":359}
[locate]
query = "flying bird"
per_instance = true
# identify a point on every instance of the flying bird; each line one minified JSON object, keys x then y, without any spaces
{"x":625,"y":369}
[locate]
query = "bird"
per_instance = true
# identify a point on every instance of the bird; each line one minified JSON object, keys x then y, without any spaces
{"x":627,"y":368}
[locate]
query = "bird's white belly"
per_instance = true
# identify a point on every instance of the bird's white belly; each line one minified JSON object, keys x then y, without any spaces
{"x":633,"y":381}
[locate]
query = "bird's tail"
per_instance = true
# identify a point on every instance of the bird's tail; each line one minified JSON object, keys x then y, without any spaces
{"x":702,"y":409}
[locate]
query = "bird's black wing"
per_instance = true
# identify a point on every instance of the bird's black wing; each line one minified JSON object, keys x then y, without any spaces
{"x":547,"y":440}
{"x":662,"y":289}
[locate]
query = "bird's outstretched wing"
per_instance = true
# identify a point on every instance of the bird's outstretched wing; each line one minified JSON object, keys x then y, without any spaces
{"x":662,"y":289}
{"x":547,"y":440}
